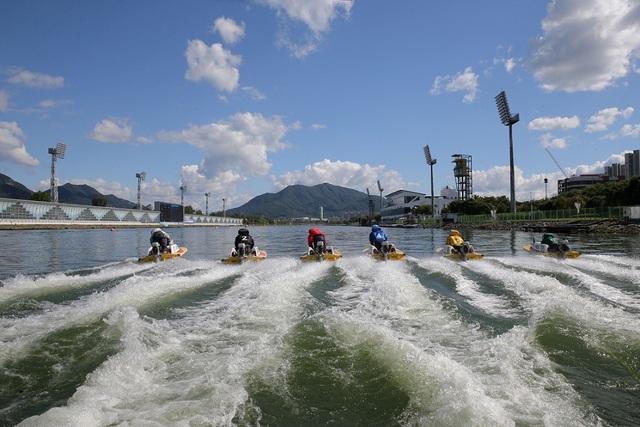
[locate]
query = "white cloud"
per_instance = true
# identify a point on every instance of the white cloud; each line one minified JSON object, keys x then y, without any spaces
{"x":36,"y":80}
{"x":554,"y":123}
{"x":234,"y":150}
{"x":12,"y":148}
{"x":632,"y":131}
{"x":315,"y":15}
{"x":602,"y":119}
{"x":4,"y":101}
{"x":114,"y":130}
{"x":549,"y":141}
{"x":509,"y":64}
{"x":342,"y":173}
{"x":230,"y":31}
{"x":466,"y":81}
{"x":53,"y":103}
{"x":587,"y":44}
{"x":255,"y":93}
{"x":213,"y":64}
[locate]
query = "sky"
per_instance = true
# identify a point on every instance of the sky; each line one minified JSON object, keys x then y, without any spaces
{"x":237,"y":98}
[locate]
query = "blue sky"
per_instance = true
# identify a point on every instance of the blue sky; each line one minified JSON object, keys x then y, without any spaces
{"x":241,"y":98}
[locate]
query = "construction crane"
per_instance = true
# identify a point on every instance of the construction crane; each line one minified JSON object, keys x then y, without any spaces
{"x":557,"y":164}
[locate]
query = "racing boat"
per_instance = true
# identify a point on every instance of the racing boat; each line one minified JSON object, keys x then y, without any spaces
{"x":330,"y":255}
{"x":537,"y":248}
{"x":240,"y":257}
{"x":388,"y":252}
{"x":465,"y":254}
{"x":174,"y":251}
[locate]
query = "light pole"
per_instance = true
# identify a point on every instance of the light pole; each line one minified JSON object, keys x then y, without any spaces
{"x":56,"y":153}
{"x":508,"y":120}
{"x":141,"y":177}
{"x":430,"y":162}
{"x":224,"y":207}
{"x":545,"y":188}
{"x":381,"y":190}
{"x":182,"y":191}
{"x":206,"y":206}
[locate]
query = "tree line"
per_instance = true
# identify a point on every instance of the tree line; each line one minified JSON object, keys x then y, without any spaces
{"x":608,"y":194}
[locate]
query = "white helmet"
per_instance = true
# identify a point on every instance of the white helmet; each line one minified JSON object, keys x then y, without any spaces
{"x":155,"y":230}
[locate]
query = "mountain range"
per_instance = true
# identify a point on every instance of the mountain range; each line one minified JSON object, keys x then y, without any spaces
{"x":67,"y":193}
{"x":295,"y":201}
{"x":299,"y":201}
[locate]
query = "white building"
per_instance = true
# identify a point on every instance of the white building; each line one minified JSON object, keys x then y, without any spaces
{"x":399,"y":203}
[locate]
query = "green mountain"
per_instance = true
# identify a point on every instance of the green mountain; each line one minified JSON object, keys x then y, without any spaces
{"x":67,"y":193}
{"x":11,"y":189}
{"x":84,"y":194}
{"x":298,"y":201}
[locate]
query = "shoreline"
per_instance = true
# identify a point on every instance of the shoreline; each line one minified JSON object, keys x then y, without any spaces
{"x":626,"y":227}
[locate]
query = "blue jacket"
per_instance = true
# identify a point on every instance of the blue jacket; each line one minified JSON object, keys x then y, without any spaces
{"x":377,"y":235}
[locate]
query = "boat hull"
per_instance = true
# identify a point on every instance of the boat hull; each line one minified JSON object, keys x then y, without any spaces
{"x":328,"y":256}
{"x":164,"y":256}
{"x":240,"y":260}
{"x":569,"y":254}
{"x":458,"y":256}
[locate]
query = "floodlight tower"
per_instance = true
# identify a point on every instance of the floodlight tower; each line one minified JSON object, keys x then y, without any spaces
{"x":430,"y":162}
{"x":206,"y":206}
{"x":224,"y":207}
{"x":56,"y":153}
{"x":508,"y":120}
{"x":141,"y":177}
{"x":381,"y":190}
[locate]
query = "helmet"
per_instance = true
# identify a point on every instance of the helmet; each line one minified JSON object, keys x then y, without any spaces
{"x":454,"y":233}
{"x":243,"y":232}
{"x":375,"y":228}
{"x":314,"y":230}
{"x":155,"y":230}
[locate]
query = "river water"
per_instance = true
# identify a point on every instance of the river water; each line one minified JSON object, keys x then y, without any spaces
{"x":89,"y":337}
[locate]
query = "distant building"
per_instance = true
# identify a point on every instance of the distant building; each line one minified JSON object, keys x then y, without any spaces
{"x":399,"y":203}
{"x":615,"y":172}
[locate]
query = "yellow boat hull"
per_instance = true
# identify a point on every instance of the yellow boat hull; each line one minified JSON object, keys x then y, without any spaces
{"x":164,"y":256}
{"x":391,"y":256}
{"x":328,"y":256}
{"x":568,"y":254}
{"x":458,"y":256}
{"x":240,"y":260}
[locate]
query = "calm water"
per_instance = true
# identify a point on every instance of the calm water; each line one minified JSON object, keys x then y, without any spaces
{"x":88,"y":337}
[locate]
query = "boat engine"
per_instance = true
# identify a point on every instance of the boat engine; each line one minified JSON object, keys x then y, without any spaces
{"x":242,"y":251}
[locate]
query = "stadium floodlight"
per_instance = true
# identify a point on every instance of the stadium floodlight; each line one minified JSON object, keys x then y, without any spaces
{"x":430,"y":162}
{"x":206,"y":206}
{"x":141,"y":177}
{"x":381,"y":190}
{"x":508,"y":120}
{"x":56,"y":153}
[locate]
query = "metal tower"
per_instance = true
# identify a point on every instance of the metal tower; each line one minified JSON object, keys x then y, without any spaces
{"x":56,"y":153}
{"x":463,"y":173}
{"x":141,"y":177}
